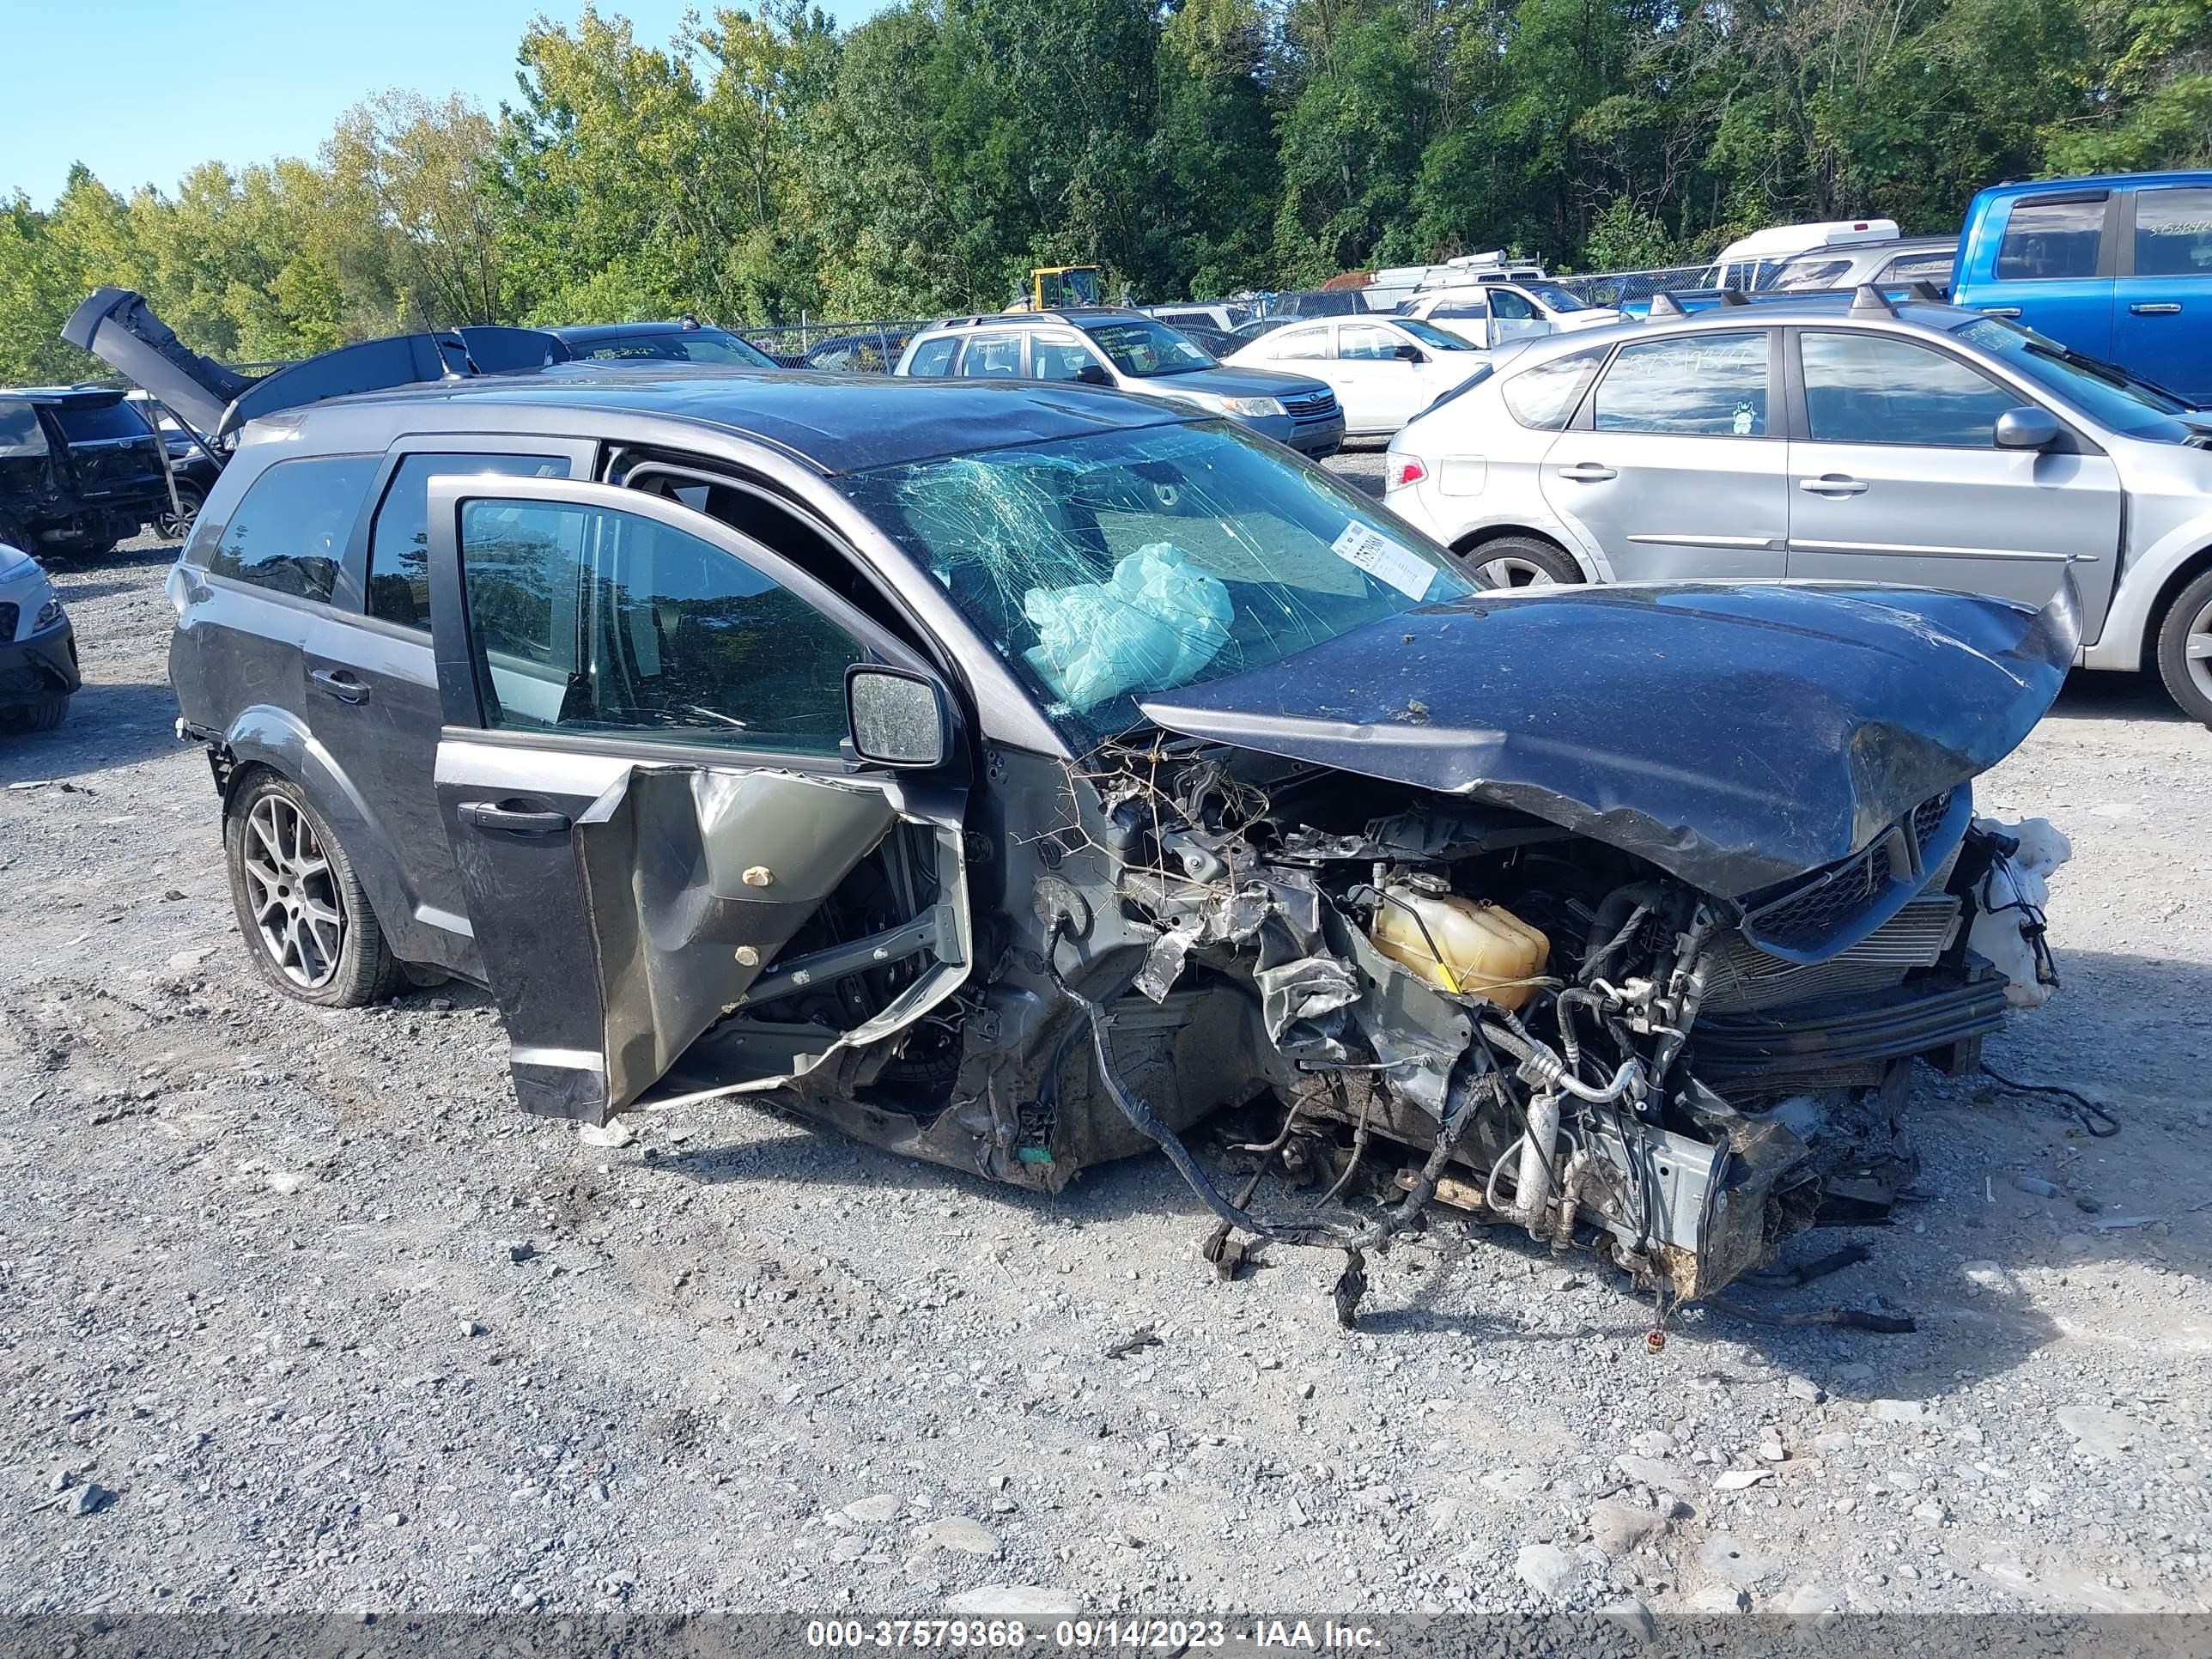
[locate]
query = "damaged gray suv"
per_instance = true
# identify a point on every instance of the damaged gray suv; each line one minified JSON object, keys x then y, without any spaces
{"x":1015,"y":774}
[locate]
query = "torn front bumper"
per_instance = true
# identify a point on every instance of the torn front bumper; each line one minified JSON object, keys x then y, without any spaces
{"x":42,"y":666}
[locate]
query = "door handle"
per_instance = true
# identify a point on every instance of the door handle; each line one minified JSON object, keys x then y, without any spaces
{"x":1832,"y":484}
{"x":1587,"y":472}
{"x":1998,"y":310}
{"x":2156,"y":308}
{"x":345,"y":687}
{"x":512,"y":819}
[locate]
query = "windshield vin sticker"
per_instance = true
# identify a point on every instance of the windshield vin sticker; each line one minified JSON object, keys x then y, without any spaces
{"x":1384,"y":559}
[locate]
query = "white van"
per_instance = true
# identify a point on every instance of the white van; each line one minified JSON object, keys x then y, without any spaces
{"x":1746,"y":264}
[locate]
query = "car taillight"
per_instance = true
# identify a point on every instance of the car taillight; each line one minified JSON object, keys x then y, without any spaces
{"x":1403,"y":469}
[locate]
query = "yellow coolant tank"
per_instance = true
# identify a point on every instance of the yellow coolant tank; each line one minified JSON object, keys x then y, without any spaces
{"x":1457,"y":944}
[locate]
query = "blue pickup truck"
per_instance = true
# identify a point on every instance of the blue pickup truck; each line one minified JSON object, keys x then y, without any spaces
{"x":2118,"y":267}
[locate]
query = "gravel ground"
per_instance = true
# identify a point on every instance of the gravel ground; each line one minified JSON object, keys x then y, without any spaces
{"x":297,"y":1313}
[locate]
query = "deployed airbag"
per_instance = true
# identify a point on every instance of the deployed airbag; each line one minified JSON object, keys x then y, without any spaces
{"x":1157,"y":623}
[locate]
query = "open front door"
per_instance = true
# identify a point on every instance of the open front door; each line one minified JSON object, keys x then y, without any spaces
{"x":644,"y":779}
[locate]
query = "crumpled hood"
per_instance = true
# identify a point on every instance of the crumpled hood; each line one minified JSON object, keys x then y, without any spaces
{"x":1737,"y":735}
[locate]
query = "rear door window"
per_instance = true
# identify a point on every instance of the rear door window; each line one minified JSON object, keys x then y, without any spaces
{"x":2052,"y":241}
{"x":1691,"y":385}
{"x":1300,"y":345}
{"x":289,"y":534}
{"x":992,"y":357}
{"x":932,"y":356}
{"x":399,"y":541}
{"x":1871,"y":389}
{"x":2173,"y":231}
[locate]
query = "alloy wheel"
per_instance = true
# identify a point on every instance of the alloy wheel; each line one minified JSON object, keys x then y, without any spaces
{"x":1508,"y":571}
{"x":2197,"y":650}
{"x":294,"y":893}
{"x":176,"y":527}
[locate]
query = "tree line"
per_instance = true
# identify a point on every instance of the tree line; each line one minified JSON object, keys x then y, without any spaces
{"x":766,"y":165}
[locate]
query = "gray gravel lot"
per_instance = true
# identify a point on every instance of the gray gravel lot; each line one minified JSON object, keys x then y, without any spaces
{"x":265,"y":1341}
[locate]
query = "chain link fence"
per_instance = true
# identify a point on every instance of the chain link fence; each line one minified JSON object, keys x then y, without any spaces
{"x":1619,"y":287}
{"x":858,"y":347}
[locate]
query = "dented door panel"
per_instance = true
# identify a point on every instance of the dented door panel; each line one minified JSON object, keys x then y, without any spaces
{"x":612,"y":943}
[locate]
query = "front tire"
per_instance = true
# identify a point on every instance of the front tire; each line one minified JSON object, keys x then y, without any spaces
{"x":43,"y":716}
{"x":1520,"y":562}
{"x":300,"y":907}
{"x":2185,"y":649}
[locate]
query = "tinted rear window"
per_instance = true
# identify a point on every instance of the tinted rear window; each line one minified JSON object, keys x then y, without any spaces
{"x":86,"y":423}
{"x":289,"y":534}
{"x":2052,"y":241}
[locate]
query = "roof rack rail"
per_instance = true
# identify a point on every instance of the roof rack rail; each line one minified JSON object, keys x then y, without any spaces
{"x":1868,"y":297}
{"x":1924,"y":289}
{"x":1664,"y":304}
{"x":1734,"y":296}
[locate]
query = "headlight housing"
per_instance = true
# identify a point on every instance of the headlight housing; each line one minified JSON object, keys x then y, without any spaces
{"x":49,"y":613}
{"x":1251,"y":408}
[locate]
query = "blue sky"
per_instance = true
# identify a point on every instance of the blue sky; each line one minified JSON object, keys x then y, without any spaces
{"x":141,"y":92}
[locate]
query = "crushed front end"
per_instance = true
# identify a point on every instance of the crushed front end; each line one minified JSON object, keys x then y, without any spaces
{"x":1558,"y":1033}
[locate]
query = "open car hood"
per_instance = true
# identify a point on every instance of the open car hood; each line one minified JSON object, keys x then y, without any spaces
{"x":1737,"y":735}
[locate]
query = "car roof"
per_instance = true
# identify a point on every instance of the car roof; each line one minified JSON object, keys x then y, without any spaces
{"x":64,"y":396}
{"x":835,"y":424}
{"x":1054,"y":316}
{"x":2013,"y":187}
{"x":1765,"y":313}
{"x":597,"y":333}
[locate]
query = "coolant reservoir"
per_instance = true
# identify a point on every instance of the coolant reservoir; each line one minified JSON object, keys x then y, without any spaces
{"x":1457,"y":944}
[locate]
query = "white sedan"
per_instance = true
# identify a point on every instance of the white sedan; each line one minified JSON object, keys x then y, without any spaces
{"x":1493,"y":313}
{"x":1384,"y":370}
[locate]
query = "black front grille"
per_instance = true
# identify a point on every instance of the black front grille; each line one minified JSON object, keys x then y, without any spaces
{"x":1927,"y":818}
{"x":10,"y":616}
{"x":1803,"y":922}
{"x":1310,"y":406}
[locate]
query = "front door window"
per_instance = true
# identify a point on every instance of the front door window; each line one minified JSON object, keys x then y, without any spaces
{"x":597,"y":622}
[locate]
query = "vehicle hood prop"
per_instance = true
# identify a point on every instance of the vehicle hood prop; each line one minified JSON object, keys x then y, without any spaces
{"x":120,"y":328}
{"x":1735,"y":735}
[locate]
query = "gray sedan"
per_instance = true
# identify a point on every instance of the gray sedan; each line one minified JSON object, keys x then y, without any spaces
{"x":1839,"y":437}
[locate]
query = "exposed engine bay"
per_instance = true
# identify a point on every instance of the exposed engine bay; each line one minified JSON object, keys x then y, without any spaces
{"x":1448,"y":1001}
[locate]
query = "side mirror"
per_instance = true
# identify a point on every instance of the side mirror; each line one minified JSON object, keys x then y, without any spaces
{"x":1094,"y":374}
{"x":1410,"y":354}
{"x":897,"y":718}
{"x":2027,"y":428}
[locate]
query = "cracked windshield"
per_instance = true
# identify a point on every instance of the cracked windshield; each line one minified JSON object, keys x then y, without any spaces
{"x":1111,"y":568}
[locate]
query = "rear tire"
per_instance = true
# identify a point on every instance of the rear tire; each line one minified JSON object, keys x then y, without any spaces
{"x":43,"y":715}
{"x":2185,"y":649}
{"x":1520,"y":562}
{"x":302,"y":911}
{"x":177,"y":526}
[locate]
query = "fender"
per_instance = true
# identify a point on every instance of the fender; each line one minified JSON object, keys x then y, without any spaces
{"x":2128,"y":622}
{"x":1595,"y":566}
{"x":264,"y":735}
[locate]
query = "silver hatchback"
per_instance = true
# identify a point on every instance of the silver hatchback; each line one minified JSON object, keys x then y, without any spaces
{"x":1839,"y":437}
